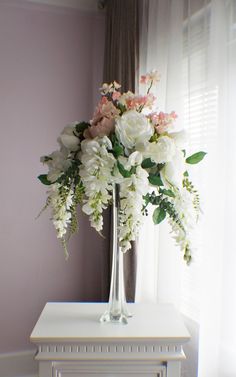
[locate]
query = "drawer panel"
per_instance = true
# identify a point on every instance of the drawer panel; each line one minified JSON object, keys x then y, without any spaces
{"x":108,"y":369}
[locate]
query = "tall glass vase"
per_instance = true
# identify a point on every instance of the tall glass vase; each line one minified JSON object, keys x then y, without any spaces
{"x":117,"y":311}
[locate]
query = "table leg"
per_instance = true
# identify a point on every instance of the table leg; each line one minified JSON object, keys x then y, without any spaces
{"x":45,"y":369}
{"x":173,"y":368}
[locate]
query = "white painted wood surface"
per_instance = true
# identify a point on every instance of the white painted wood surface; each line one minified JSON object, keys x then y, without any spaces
{"x":72,"y":342}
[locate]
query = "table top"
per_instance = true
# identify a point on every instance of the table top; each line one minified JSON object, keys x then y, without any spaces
{"x":80,"y":322}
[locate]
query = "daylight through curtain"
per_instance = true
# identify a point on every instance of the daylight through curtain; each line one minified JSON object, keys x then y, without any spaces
{"x":193,"y":45}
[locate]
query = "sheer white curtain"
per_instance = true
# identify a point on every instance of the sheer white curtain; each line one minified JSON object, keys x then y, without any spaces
{"x":193,"y":45}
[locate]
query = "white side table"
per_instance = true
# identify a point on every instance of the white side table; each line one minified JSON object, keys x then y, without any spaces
{"x":72,"y":342}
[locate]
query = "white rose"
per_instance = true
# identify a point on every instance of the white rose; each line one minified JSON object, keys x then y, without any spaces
{"x":173,"y":171}
{"x":68,"y":138}
{"x":162,"y":151}
{"x":180,"y":138}
{"x":133,"y":129}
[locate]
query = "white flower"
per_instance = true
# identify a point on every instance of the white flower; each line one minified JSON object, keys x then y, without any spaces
{"x":96,"y":175}
{"x":133,"y":129}
{"x":180,"y":138}
{"x":173,"y":171}
{"x":132,"y":190}
{"x":68,"y":138}
{"x":57,"y":163}
{"x":161,"y":151}
{"x":184,"y":206}
{"x":61,"y":215}
{"x":134,"y":159}
{"x":183,"y":235}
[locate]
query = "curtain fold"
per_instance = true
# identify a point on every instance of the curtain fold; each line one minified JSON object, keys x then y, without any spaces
{"x":121,"y":65}
{"x":193,"y":45}
{"x":121,"y":43}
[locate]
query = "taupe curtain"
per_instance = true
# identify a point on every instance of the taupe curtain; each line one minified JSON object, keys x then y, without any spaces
{"x":121,"y":42}
{"x":120,"y":64}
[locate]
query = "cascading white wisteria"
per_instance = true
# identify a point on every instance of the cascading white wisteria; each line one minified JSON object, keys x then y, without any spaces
{"x":132,"y":191}
{"x":187,"y":216}
{"x":61,"y":204}
{"x":96,"y":175}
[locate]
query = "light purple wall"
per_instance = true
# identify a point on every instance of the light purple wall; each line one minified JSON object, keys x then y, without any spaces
{"x":50,"y":66}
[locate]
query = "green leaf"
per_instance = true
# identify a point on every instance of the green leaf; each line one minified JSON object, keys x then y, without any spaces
{"x":168,"y":193}
{"x":117,"y":147}
{"x":125,"y":173}
{"x":118,"y":150}
{"x":160,"y":167}
{"x":80,"y":127}
{"x":44,"y":179}
{"x":147,"y":163}
{"x":159,"y":215}
{"x":195,"y":158}
{"x":146,"y":198}
{"x":186,"y":174}
{"x":155,"y":180}
{"x":121,"y":107}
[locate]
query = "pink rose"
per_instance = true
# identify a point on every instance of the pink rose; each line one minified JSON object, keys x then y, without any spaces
{"x":103,"y":122}
{"x":100,"y":127}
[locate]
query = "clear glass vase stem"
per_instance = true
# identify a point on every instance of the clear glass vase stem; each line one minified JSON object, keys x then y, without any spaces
{"x":117,"y":311}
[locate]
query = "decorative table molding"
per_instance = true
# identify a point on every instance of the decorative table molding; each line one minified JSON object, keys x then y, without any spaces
{"x":72,"y":343}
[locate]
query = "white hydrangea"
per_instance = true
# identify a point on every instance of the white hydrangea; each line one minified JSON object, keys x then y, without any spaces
{"x":95,"y":172}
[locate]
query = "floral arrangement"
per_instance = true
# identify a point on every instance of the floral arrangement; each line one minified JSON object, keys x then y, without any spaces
{"x":129,"y":144}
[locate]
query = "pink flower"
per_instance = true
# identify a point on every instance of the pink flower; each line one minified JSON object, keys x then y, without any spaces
{"x":163,"y":122}
{"x":109,"y":88}
{"x":103,"y":127}
{"x":106,"y":109}
{"x":143,"y":79}
{"x":151,"y":77}
{"x":139,"y":102}
{"x":115,"y":95}
{"x":103,"y":122}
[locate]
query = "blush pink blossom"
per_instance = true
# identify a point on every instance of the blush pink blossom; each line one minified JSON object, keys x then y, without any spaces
{"x":150,"y":78}
{"x":109,"y":88}
{"x":116,"y":95}
{"x":163,"y":121}
{"x":106,"y":109}
{"x":139,"y":102}
{"x":103,"y":127}
{"x":103,"y":122}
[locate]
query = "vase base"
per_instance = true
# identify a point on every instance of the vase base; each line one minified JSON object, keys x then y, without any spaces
{"x":128,"y":314}
{"x":114,"y":318}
